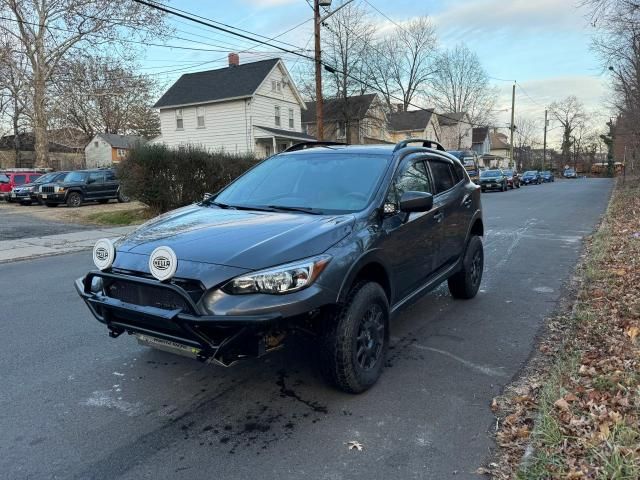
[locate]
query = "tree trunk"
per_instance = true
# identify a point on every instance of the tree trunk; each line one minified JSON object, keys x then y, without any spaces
{"x":40,"y":121}
{"x":16,"y":133}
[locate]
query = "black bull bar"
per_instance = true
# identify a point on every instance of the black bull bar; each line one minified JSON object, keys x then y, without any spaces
{"x":218,"y":338}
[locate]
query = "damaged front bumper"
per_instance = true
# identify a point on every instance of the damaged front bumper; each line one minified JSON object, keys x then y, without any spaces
{"x":180,"y":325}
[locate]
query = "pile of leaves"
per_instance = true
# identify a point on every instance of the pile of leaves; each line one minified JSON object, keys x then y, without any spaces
{"x":576,"y":413}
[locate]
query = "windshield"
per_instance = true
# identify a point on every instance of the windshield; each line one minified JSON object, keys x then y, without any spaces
{"x":75,"y":177}
{"x":569,"y":170}
{"x":507,"y":172}
{"x":490,"y":173}
{"x":47,"y":177}
{"x":323,"y":183}
{"x":530,"y":173}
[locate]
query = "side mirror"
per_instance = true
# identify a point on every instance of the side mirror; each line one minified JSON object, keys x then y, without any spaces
{"x":416,"y":202}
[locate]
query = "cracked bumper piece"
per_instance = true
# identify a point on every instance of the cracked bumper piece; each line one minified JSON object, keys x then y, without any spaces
{"x":178,"y":324}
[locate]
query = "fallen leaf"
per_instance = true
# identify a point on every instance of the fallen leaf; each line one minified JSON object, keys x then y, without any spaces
{"x":354,"y":445}
{"x":633,"y":332}
{"x":562,"y":404}
{"x":570,"y":397}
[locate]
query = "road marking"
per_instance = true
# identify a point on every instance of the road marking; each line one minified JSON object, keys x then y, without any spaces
{"x":492,"y":372}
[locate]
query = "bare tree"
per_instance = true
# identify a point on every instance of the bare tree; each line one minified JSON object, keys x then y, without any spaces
{"x":526,"y":137}
{"x":460,"y":84}
{"x":47,"y":30}
{"x":104,"y":94}
{"x":570,"y":113}
{"x":401,"y":62}
{"x":347,"y":47}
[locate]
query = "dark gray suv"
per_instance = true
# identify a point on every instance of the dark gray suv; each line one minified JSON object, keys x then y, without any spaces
{"x":323,"y":240}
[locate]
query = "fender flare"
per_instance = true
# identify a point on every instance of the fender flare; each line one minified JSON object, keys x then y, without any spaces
{"x":476,"y":216}
{"x":367,"y":258}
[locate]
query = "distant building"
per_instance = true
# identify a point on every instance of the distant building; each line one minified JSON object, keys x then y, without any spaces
{"x":414,"y":124}
{"x":481,"y":140}
{"x":456,"y":131}
{"x":359,"y":119}
{"x":106,"y":149}
{"x":500,"y":151}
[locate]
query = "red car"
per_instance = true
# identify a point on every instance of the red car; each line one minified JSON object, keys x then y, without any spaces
{"x":8,"y":180}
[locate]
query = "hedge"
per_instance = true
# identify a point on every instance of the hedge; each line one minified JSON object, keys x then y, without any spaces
{"x":165,"y":178}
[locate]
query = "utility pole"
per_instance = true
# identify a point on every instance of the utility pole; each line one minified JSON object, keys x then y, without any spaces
{"x":544,"y":145}
{"x":318,"y":21}
{"x":318,"y":58}
{"x":513,"y":106}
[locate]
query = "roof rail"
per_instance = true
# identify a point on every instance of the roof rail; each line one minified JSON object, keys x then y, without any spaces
{"x":305,"y":145}
{"x":425,"y":143}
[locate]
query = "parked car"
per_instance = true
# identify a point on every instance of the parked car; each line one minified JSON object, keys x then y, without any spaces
{"x":513,"y":179}
{"x":471,"y":163}
{"x":9,"y":180}
{"x":531,"y":177}
{"x":547,"y":176}
{"x":493,"y":179}
{"x":327,"y":242}
{"x":569,"y":173}
{"x":83,"y":185}
{"x":28,"y":193}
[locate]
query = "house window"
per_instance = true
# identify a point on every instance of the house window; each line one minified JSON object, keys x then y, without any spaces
{"x":291,"y":118}
{"x":276,"y":86}
{"x":366,"y":128}
{"x":277,"y":116}
{"x":122,"y":152}
{"x":179,"y":121}
{"x":273,"y":85}
{"x":95,"y":144}
{"x":200,"y":116}
{"x":341,"y":130}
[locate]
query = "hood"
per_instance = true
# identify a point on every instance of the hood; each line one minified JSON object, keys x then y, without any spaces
{"x":238,"y":238}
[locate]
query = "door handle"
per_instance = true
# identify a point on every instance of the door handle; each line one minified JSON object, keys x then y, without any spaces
{"x":438,"y":216}
{"x":467,"y":202}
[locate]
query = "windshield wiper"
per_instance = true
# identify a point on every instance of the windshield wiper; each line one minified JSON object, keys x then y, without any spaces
{"x":221,"y":205}
{"x":284,"y":208}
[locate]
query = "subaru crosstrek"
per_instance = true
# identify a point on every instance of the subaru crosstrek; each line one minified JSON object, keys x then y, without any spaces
{"x":323,"y":239}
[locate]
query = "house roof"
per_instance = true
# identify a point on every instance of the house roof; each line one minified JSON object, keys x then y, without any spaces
{"x":411,"y":120}
{"x":215,"y":85}
{"x":451,"y":118}
{"x":333,"y":109}
{"x":287,"y":133}
{"x":499,"y":141}
{"x":121,"y":141}
{"x":479,"y":134}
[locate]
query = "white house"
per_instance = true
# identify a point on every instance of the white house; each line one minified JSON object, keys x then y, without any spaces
{"x":243,"y":108}
{"x":105,"y":149}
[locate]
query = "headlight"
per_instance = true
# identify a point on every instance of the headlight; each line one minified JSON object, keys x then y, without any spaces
{"x":58,"y":189}
{"x":283,"y":279}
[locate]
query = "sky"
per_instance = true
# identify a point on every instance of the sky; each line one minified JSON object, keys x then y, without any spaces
{"x":543,"y":44}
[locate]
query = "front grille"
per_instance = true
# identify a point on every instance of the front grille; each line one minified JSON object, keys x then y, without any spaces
{"x":146,"y":295}
{"x":47,"y":189}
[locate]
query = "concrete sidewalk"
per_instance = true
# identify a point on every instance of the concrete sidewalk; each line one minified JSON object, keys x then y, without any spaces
{"x":25,"y":248}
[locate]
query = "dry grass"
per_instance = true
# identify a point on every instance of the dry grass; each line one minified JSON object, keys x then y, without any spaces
{"x":576,"y":414}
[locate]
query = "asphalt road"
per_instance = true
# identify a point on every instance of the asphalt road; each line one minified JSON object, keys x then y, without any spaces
{"x":17,"y":222}
{"x":76,"y":404}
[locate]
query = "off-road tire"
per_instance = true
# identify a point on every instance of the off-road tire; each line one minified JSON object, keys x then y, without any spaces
{"x":343,"y":331}
{"x":466,"y":283}
{"x":74,"y":200}
{"x":122,"y":198}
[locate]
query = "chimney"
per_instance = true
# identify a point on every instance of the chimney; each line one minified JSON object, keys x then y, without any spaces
{"x":400,"y":107}
{"x":234,"y":59}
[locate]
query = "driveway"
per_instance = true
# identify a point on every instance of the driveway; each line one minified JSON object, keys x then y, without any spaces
{"x":77,"y":404}
{"x":20,"y":221}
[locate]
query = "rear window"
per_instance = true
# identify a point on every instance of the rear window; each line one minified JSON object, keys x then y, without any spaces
{"x":4,"y":178}
{"x":75,"y":177}
{"x":19,"y":179}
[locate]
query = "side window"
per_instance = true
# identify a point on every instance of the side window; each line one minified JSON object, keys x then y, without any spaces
{"x":110,"y":176}
{"x":458,"y":172}
{"x":414,"y":179}
{"x":96,"y":177}
{"x":442,"y":178}
{"x":19,"y":179}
